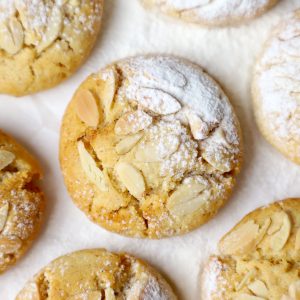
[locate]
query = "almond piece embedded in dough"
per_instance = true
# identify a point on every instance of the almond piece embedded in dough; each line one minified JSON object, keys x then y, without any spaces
{"x":259,"y":288}
{"x":91,"y":169}
{"x":3,"y":215}
{"x":86,"y":108}
{"x":132,"y":122}
{"x":132,"y":179}
{"x":199,"y":128}
{"x":6,"y":158}
{"x":126,"y":144}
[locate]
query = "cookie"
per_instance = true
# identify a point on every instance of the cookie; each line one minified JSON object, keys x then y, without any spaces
{"x":150,"y":147}
{"x":211,"y":13}
{"x":259,"y":258}
{"x":44,"y":42}
{"x":276,"y":93}
{"x":21,"y":201}
{"x":97,"y":274}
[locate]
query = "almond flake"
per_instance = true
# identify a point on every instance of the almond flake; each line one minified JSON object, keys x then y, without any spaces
{"x":280,"y":238}
{"x":157,"y":101}
{"x":276,"y":219}
{"x":6,"y":158}
{"x":12,"y":36}
{"x":126,"y":144}
{"x":241,"y":240}
{"x":3,"y":215}
{"x":91,"y":169}
{"x":110,"y":294}
{"x":263,"y":230}
{"x":199,"y":128}
{"x":132,"y":122}
{"x":9,"y":245}
{"x":245,"y":280}
{"x":294,"y":290}
{"x":259,"y":288}
{"x":54,"y":27}
{"x":86,"y":108}
{"x":247,"y":297}
{"x":132,"y":179}
{"x":297,"y":241}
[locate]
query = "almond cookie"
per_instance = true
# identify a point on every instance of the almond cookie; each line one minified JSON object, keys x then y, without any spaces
{"x":259,"y":258}
{"x":21,"y":201}
{"x":211,"y":12}
{"x":42,"y":42}
{"x":276,"y":92}
{"x":150,"y":147}
{"x":94,"y":275}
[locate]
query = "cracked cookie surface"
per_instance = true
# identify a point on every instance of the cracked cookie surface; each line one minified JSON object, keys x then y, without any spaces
{"x":43,"y":42}
{"x":212,"y":12}
{"x":276,"y":92}
{"x":150,"y":147}
{"x":259,"y":258}
{"x":21,"y":201}
{"x":97,"y":274}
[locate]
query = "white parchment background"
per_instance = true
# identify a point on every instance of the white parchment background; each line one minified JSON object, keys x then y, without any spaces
{"x":228,"y":55}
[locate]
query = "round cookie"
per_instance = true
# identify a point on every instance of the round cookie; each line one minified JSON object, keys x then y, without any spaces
{"x":97,"y":274}
{"x":150,"y":147}
{"x":44,"y":42}
{"x":211,"y":13}
{"x":276,"y":93}
{"x":259,"y":257}
{"x":21,"y":201}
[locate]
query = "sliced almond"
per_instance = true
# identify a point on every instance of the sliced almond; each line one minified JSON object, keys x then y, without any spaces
{"x":276,"y":223}
{"x":53,"y":28}
{"x":86,"y":108}
{"x":91,"y":169}
{"x":294,"y":290}
{"x":6,"y":158}
{"x":199,"y":128}
{"x":132,"y":179}
{"x":126,"y":144}
{"x":241,"y":240}
{"x":157,"y":101}
{"x":280,"y":238}
{"x":3,"y":215}
{"x":132,"y":122}
{"x":107,"y":93}
{"x":247,"y":297}
{"x":88,"y":295}
{"x":12,"y":36}
{"x":263,"y":230}
{"x":259,"y":288}
{"x":9,"y":245}
{"x":245,"y":280}
{"x":31,"y":291}
{"x":109,"y":294}
{"x":297,"y":241}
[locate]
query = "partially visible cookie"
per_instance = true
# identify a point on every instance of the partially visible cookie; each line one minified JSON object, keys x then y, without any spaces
{"x":212,"y":13}
{"x":150,"y":147}
{"x":259,"y":257}
{"x":276,"y":92}
{"x":21,"y":201}
{"x":95,"y":275}
{"x":44,"y":42}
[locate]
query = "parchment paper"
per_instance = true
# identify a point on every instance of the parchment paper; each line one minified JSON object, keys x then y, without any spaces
{"x":228,"y":55}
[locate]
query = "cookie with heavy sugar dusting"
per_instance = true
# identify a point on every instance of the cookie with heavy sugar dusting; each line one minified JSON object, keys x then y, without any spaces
{"x":97,"y":274}
{"x":44,"y":42}
{"x":150,"y":147}
{"x":21,"y":201}
{"x":212,"y":12}
{"x":276,"y":92}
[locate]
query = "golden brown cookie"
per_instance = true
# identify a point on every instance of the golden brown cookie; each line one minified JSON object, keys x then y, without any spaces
{"x":276,"y":92}
{"x":259,"y":258}
{"x":212,"y":12}
{"x":21,"y":201}
{"x":42,"y":42}
{"x":150,"y":147}
{"x":95,"y":275}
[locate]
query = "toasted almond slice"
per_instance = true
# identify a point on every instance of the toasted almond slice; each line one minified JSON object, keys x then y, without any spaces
{"x":88,"y":295}
{"x":6,"y":158}
{"x":54,"y":27}
{"x":245,"y":280}
{"x":3,"y":215}
{"x":276,"y":223}
{"x":279,"y":239}
{"x":263,"y":231}
{"x":199,"y":128}
{"x":86,"y":108}
{"x":294,"y":290}
{"x":157,"y":101}
{"x":241,"y":240}
{"x":107,"y":93}
{"x":247,"y":297}
{"x":31,"y":291}
{"x":126,"y":144}
{"x":109,"y":294}
{"x":259,"y":288}
{"x":9,"y":245}
{"x":132,"y":122}
{"x":297,"y":241}
{"x":131,"y":178}
{"x":91,"y":169}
